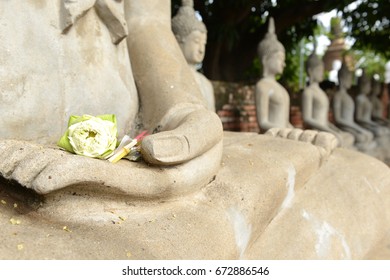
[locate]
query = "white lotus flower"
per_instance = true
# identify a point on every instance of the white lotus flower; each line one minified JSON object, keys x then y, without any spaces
{"x":93,"y":137}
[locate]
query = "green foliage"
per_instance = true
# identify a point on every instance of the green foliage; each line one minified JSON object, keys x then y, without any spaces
{"x":335,"y":29}
{"x":369,"y":24}
{"x":371,"y":62}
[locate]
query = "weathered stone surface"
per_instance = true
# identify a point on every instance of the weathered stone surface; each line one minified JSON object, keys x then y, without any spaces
{"x":47,"y":75}
{"x":269,"y":196}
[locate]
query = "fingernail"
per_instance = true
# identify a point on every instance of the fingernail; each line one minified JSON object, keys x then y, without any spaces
{"x":168,"y":149}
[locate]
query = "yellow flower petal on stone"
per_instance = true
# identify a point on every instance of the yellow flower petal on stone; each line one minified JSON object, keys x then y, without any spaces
{"x":128,"y":254}
{"x":20,"y":247}
{"x":14,"y":221}
{"x":15,"y":205}
{"x":66,"y":229}
{"x":3,"y":202}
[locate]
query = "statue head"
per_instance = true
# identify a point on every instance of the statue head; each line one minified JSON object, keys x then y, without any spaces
{"x":315,"y":67}
{"x":345,"y":76}
{"x":190,"y":32}
{"x":271,"y":52}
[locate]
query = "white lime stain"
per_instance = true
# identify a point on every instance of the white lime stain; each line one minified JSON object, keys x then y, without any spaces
{"x":290,"y":184}
{"x":325,"y":237}
{"x":242,"y":230}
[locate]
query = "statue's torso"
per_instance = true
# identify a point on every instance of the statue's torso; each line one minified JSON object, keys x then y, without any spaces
{"x":365,"y":108}
{"x":206,"y":89}
{"x":377,"y":107}
{"x":279,"y":101}
{"x":320,"y":103}
{"x":347,"y":106}
{"x":47,"y":75}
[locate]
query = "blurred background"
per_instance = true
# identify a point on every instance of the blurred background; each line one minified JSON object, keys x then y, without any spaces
{"x":356,"y":30}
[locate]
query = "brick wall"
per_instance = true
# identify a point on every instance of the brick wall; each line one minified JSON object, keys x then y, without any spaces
{"x":235,"y":105}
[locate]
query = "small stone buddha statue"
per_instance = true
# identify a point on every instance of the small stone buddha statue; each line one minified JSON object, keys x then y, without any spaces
{"x":344,"y":109}
{"x":315,"y":103}
{"x":364,"y":108}
{"x":191,"y":35}
{"x":377,"y":105}
{"x":272,"y":99}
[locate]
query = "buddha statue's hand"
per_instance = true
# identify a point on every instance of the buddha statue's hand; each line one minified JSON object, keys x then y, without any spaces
{"x":188,"y":132}
{"x":326,"y":142}
{"x":45,"y":169}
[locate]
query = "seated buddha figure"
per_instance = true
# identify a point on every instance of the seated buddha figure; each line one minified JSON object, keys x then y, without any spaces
{"x":191,"y":35}
{"x":344,"y":110}
{"x":272,"y":99}
{"x":96,"y":65}
{"x":378,"y":109}
{"x":364,"y":108}
{"x":315,"y":103}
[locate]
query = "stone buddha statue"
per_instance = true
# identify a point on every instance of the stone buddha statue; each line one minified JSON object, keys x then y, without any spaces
{"x":50,"y":86}
{"x":364,"y":108}
{"x":186,"y":199}
{"x":344,"y":110}
{"x":377,"y":104}
{"x":315,"y":103}
{"x":191,"y":35}
{"x":272,"y":99}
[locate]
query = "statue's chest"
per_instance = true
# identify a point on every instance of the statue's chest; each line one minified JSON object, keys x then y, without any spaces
{"x":320,"y":99}
{"x":278,"y":95}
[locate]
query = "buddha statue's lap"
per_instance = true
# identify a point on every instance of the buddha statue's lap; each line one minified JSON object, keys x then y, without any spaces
{"x":223,"y":219}
{"x":201,"y":207}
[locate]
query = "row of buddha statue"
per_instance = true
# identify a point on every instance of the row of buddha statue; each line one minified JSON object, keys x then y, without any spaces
{"x":357,"y":124}
{"x":354,"y":125}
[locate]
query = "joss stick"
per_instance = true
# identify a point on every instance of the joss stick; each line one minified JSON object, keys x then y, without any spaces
{"x":126,"y":149}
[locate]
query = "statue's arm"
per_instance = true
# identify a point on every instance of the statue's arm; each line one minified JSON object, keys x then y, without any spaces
{"x":340,"y":121}
{"x":337,"y":107}
{"x":359,"y":111}
{"x":262,"y":107}
{"x":171,"y":103}
{"x":307,"y":113}
{"x":359,"y":115}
